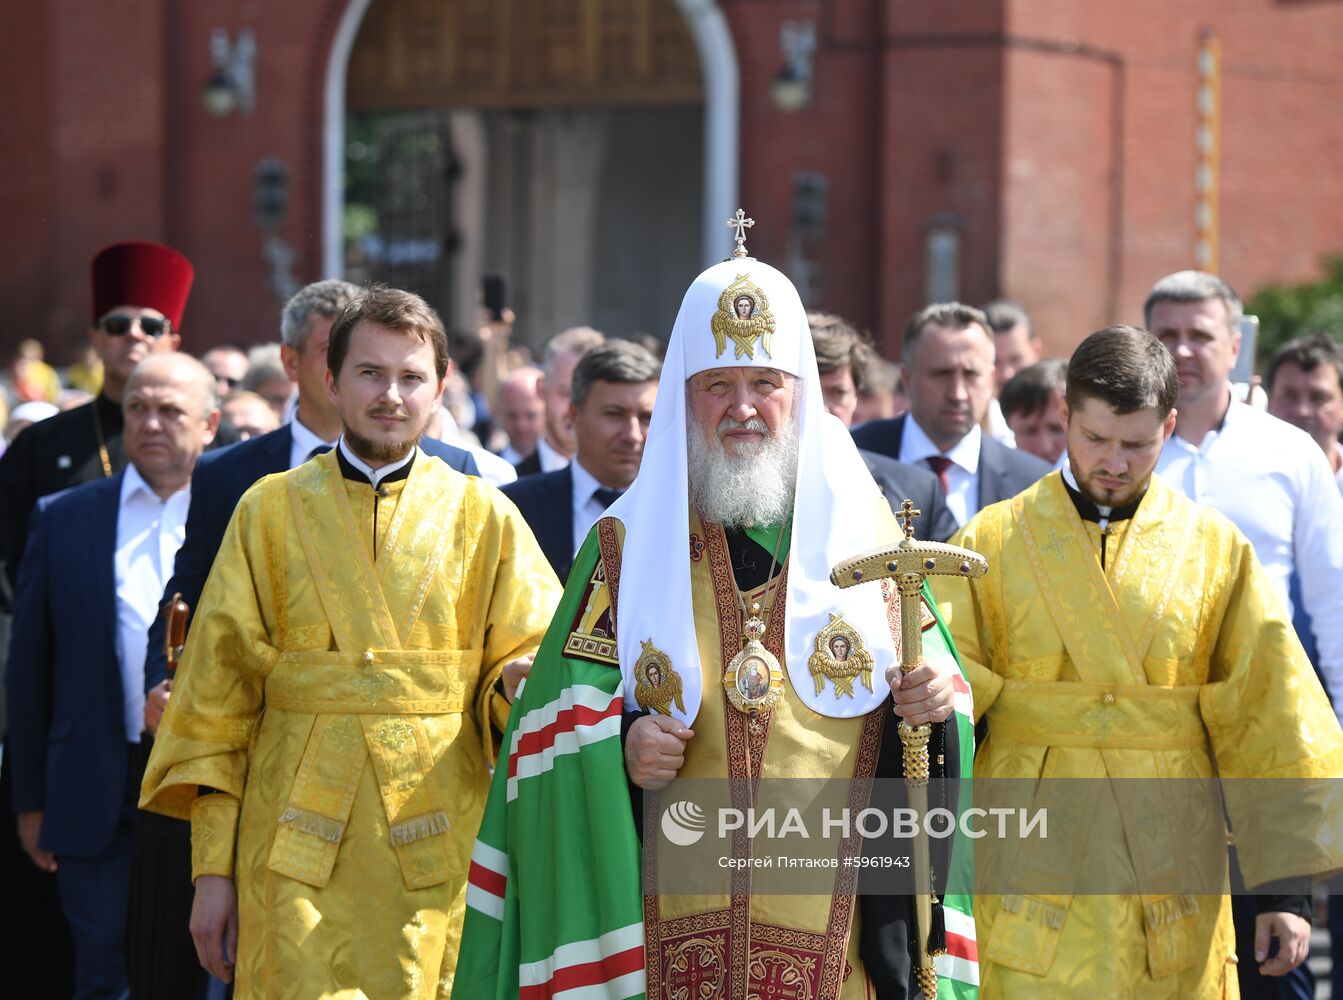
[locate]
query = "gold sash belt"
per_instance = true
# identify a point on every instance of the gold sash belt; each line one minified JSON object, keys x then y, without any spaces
{"x":1114,"y":716}
{"x":375,"y":682}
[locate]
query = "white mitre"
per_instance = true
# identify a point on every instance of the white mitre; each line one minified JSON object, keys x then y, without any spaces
{"x":837,"y":512}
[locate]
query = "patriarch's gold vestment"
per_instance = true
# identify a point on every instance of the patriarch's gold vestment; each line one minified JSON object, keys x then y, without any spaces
{"x":338,"y":692}
{"x":1176,"y":660}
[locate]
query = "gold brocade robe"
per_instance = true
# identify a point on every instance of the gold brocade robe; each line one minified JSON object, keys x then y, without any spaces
{"x":338,"y":691}
{"x":783,"y":945}
{"x":1176,"y":660}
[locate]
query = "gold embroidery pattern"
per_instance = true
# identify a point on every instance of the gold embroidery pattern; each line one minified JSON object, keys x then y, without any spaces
{"x":743,"y":317}
{"x":656,"y":682}
{"x":593,"y":635}
{"x":842,"y":656}
{"x":394,"y":735}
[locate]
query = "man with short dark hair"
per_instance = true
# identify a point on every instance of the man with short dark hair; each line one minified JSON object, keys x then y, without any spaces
{"x":163,"y":966}
{"x":1305,"y":388}
{"x":1032,"y":401}
{"x":350,"y":669}
{"x":614,"y":387}
{"x":947,"y":354}
{"x":841,"y":359}
{"x":1130,"y":634}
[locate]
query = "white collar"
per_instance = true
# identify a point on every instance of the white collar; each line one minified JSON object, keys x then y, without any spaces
{"x":917,"y":445}
{"x":375,"y":476}
{"x":585,"y":483}
{"x":132,"y":483}
{"x":550,"y":459}
{"x":1232,"y":416}
{"x":304,"y":438}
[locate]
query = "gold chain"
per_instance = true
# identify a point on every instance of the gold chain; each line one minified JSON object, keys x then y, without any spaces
{"x":102,"y":444}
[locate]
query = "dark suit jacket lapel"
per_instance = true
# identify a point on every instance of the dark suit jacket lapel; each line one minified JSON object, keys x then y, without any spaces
{"x":991,"y":471}
{"x":899,"y":436}
{"x":561,"y":525}
{"x":102,"y":547}
{"x":275,"y":456}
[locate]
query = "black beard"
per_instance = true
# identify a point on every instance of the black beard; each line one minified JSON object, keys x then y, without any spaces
{"x":378,"y":453}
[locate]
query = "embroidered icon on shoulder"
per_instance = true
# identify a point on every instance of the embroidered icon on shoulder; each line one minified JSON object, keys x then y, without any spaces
{"x":592,"y":636}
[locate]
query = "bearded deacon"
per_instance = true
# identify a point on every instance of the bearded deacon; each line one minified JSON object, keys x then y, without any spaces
{"x":1128,"y":633}
{"x":344,"y":687}
{"x":696,"y":640}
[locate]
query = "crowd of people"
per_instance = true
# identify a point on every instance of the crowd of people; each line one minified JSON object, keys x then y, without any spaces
{"x":272,"y":608}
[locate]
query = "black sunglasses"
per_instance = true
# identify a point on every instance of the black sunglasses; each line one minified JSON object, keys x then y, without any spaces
{"x":119,"y":324}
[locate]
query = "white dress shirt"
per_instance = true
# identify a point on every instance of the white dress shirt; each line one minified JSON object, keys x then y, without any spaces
{"x":1275,"y":484}
{"x":551,"y":460}
{"x":304,"y":442}
{"x":149,"y":533}
{"x":587,"y":509}
{"x":998,"y":426}
{"x":962,"y":474}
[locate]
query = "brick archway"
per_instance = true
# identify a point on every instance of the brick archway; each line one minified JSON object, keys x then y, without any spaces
{"x":718,"y":63}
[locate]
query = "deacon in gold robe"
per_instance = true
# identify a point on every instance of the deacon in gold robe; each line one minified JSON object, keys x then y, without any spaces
{"x":349,"y":673}
{"x":1125,"y":633}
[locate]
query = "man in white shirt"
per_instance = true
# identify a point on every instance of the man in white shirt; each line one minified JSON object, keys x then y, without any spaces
{"x":1267,"y":476}
{"x":614,"y":387}
{"x":947,"y":353}
{"x":94,"y":570}
{"x":556,"y":446}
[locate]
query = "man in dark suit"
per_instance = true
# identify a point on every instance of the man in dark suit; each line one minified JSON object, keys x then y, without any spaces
{"x":614,"y":387}
{"x":947,"y":354}
{"x":95,"y":563}
{"x":842,"y":358}
{"x":139,"y":293}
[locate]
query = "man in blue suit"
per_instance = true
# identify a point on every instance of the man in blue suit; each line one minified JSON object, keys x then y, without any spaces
{"x":947,"y":354}
{"x":611,"y":401}
{"x":88,"y":587}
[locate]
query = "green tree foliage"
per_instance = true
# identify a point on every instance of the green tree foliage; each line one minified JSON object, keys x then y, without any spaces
{"x":1289,"y":311}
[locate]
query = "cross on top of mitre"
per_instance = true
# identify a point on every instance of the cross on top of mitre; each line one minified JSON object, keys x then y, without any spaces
{"x":740,"y":223}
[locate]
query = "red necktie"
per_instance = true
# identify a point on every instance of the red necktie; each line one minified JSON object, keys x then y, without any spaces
{"x":940,"y":464}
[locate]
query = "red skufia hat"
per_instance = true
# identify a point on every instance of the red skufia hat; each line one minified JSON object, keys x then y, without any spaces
{"x":139,"y":273}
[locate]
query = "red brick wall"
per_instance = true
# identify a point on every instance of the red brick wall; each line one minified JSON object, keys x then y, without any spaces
{"x":837,"y":136}
{"x":1281,"y":204}
{"x":28,"y":153}
{"x":1007,"y":115}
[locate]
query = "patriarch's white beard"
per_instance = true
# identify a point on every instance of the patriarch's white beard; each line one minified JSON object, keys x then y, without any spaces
{"x":755,"y":484}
